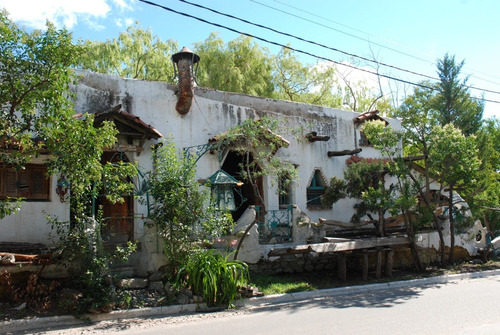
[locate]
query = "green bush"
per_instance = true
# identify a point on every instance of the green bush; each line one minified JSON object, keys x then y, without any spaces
{"x":214,"y":277}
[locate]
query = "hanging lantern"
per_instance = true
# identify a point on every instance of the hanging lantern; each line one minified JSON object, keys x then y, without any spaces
{"x":223,"y":188}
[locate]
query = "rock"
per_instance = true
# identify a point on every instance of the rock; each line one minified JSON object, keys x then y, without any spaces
{"x":157,"y":276}
{"x":157,"y":286}
{"x":182,"y":299}
{"x":132,"y":283}
{"x":93,"y":310}
{"x":169,"y":289}
{"x":107,"y":308}
{"x":197,"y":299}
{"x":21,"y":306}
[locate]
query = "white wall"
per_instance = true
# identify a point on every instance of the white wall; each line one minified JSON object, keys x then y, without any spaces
{"x":30,"y":225}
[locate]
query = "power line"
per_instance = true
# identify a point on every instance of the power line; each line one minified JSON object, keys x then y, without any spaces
{"x":327,"y":47}
{"x":337,"y":30}
{"x":309,"y":41}
{"x":300,"y":51}
{"x":361,"y":38}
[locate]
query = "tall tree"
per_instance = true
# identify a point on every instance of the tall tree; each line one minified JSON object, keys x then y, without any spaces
{"x":454,"y":103}
{"x":240,"y":66}
{"x":454,"y":161}
{"x":136,"y":53}
{"x":295,"y":81}
{"x":34,"y":80}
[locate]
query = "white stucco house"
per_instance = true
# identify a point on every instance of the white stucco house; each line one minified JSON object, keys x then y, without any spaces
{"x":144,"y":112}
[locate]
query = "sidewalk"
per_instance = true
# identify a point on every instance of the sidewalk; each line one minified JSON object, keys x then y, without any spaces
{"x":26,"y":325}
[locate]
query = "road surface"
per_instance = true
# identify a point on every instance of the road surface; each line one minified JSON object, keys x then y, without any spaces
{"x":470,"y":306}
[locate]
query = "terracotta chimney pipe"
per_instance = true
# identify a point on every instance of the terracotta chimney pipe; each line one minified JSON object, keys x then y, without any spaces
{"x":184,"y":61}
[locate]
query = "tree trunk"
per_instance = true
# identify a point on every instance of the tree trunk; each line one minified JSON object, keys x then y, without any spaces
{"x":435,"y":221}
{"x":381,"y":225}
{"x":452,"y":226}
{"x":413,"y":245}
{"x":261,"y":200}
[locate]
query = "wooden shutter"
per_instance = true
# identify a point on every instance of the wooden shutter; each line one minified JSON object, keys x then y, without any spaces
{"x":10,"y":176}
{"x":39,"y":184}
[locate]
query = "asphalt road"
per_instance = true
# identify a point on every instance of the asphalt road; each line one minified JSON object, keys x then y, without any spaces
{"x":469,"y":306}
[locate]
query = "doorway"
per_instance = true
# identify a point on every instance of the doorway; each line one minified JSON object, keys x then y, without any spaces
{"x":232,"y":165}
{"x":117,"y":218}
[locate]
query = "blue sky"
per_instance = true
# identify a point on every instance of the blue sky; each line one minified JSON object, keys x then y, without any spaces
{"x":401,"y":33}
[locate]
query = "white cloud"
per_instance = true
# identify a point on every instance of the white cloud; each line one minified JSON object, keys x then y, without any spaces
{"x":129,"y":22}
{"x":61,"y":12}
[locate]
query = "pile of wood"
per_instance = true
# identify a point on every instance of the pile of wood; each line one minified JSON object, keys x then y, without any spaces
{"x":9,"y":259}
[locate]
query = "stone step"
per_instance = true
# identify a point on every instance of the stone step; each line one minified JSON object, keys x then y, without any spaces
{"x":123,"y":271}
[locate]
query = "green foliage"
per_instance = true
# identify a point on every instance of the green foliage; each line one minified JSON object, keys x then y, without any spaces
{"x":454,"y":102}
{"x":335,"y":191}
{"x":88,"y":261}
{"x":239,"y":66}
{"x":181,"y":208}
{"x":136,"y":53}
{"x":34,"y":81}
{"x":10,"y":206}
{"x":453,"y":157}
{"x":257,"y":141}
{"x":214,"y":277}
{"x":304,"y":83}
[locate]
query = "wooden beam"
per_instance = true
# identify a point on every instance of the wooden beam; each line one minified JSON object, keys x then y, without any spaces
{"x":344,"y":152}
{"x":356,"y":244}
{"x":378,"y":272}
{"x":300,"y":249}
{"x":389,"y":262}
{"x":313,"y":137}
{"x":341,"y":224}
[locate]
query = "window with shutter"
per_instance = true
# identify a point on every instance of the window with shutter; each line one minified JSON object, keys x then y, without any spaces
{"x":30,"y":183}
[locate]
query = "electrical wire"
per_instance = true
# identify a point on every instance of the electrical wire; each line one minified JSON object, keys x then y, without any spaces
{"x":327,"y":47}
{"x":360,"y":38}
{"x":309,"y":41}
{"x":302,"y":51}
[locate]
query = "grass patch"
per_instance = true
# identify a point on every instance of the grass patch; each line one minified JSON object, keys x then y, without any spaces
{"x":310,"y":281}
{"x":289,"y":283}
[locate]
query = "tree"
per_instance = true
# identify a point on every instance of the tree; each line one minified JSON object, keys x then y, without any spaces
{"x":257,"y":142}
{"x":453,"y":103}
{"x":34,"y":81}
{"x":37,"y":113}
{"x":404,"y":195}
{"x":181,"y":208}
{"x":240,"y":66}
{"x":304,"y":83}
{"x":484,"y":195}
{"x":454,"y":161}
{"x":136,"y":54}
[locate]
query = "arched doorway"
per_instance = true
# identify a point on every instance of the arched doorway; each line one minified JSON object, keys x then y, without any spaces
{"x":231,"y":165}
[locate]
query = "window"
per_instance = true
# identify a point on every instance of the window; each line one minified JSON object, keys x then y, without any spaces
{"x":363,"y":141}
{"x":315,"y":190}
{"x":30,"y":183}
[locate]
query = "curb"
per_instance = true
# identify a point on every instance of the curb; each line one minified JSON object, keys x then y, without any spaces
{"x":67,"y":320}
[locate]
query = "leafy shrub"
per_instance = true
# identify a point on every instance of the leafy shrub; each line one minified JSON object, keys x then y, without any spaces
{"x":214,"y":277}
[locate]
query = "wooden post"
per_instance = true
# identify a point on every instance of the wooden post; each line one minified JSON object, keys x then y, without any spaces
{"x":389,"y":262}
{"x":342,"y":266}
{"x":378,"y":273}
{"x":365,"y":265}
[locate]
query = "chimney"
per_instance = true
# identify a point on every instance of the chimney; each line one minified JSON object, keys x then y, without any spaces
{"x":184,"y":62}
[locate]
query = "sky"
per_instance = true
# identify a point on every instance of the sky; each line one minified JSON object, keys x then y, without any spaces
{"x":402,"y":34}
